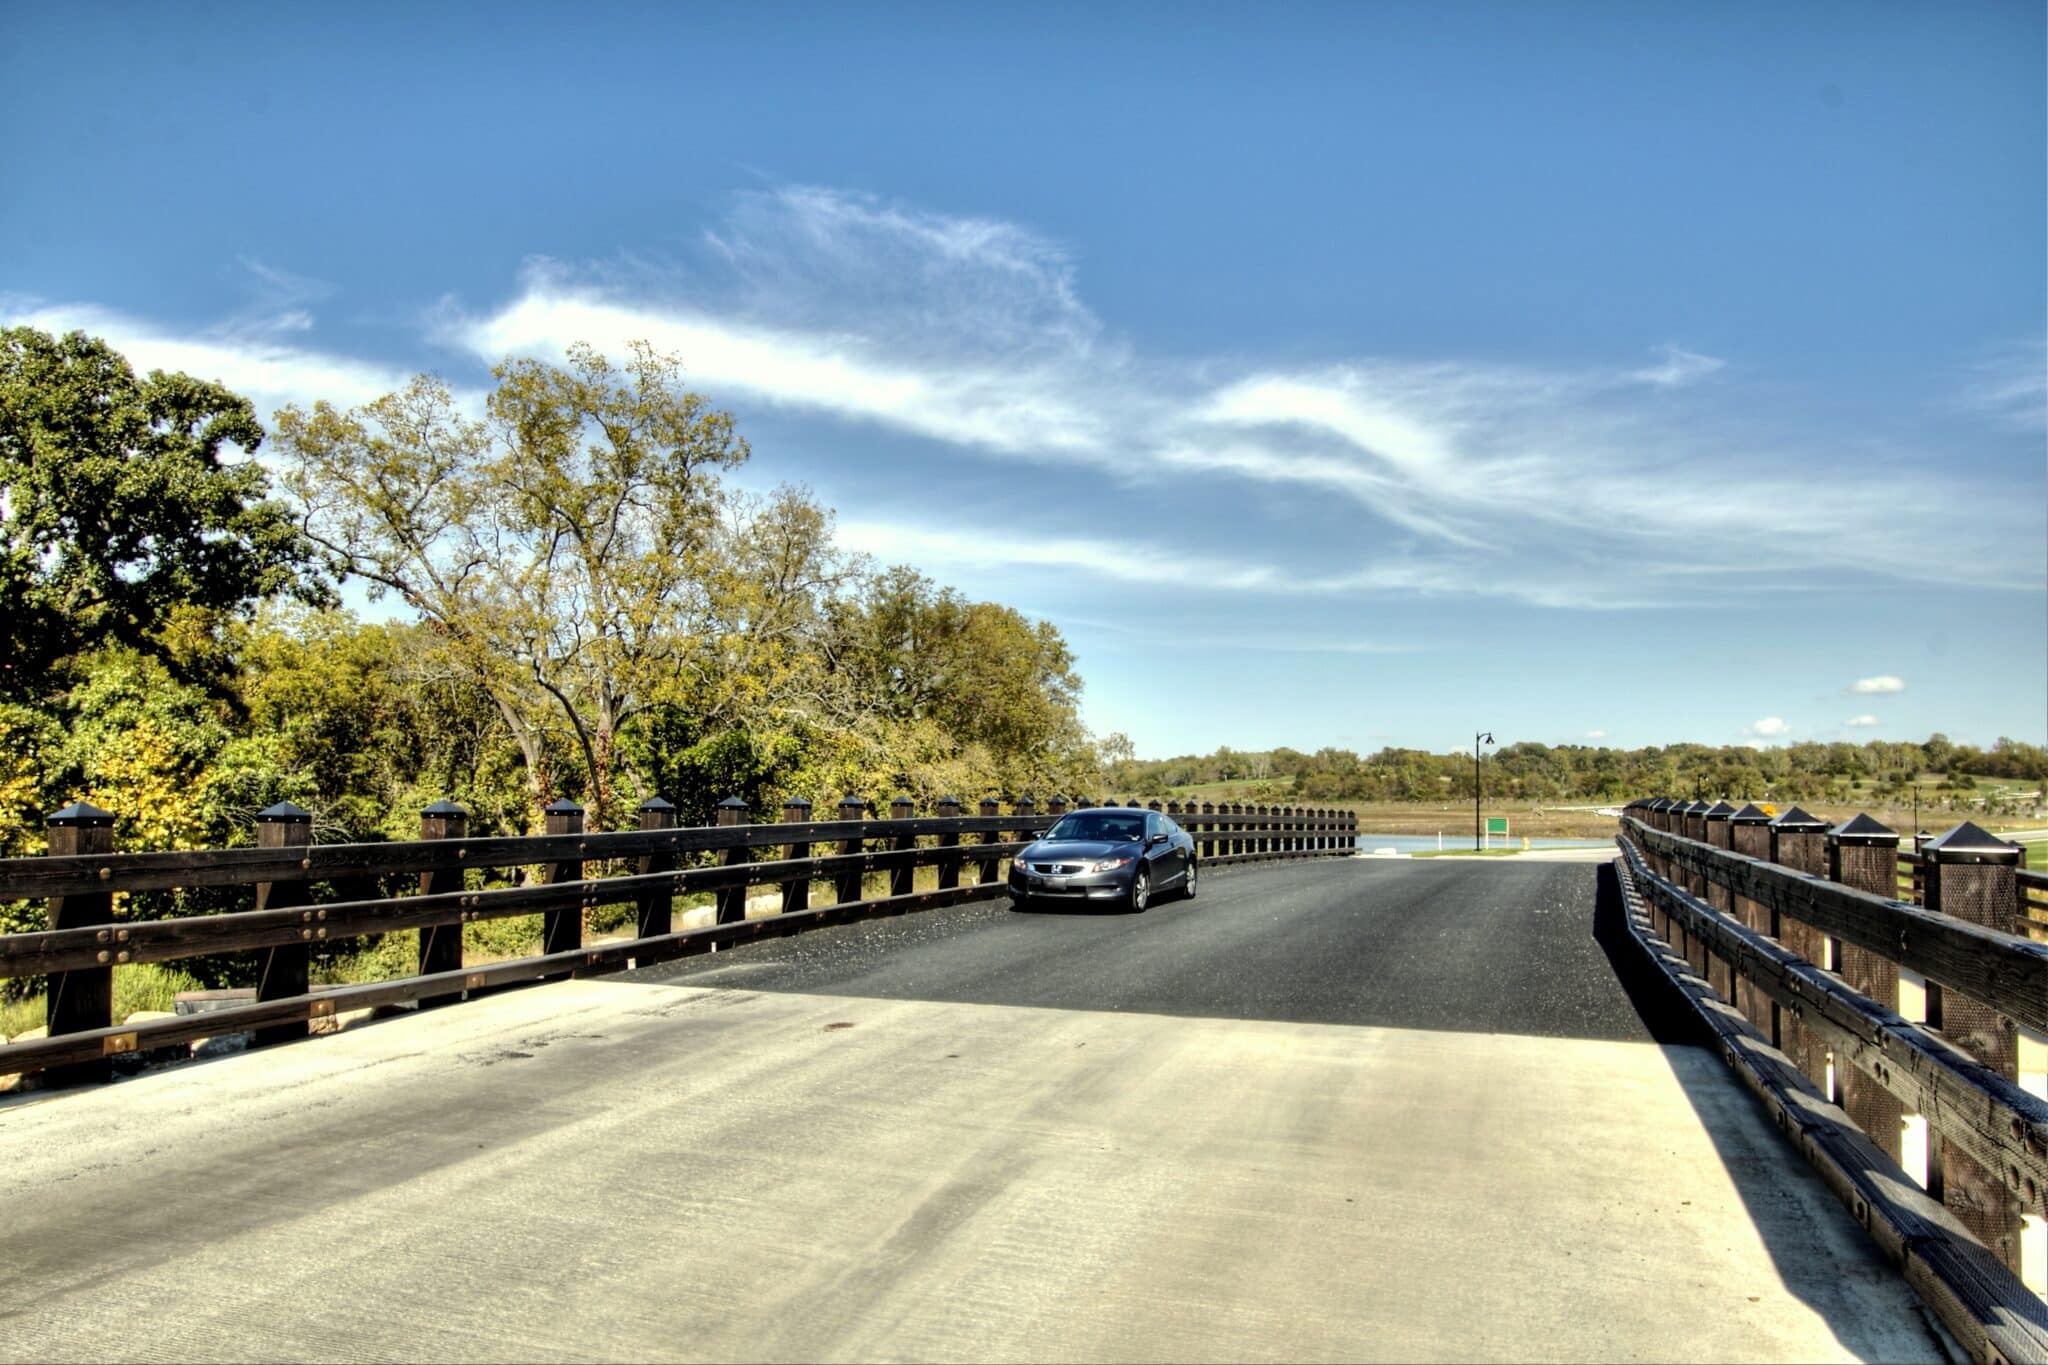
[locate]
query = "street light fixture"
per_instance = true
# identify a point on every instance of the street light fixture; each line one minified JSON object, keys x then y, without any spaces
{"x":1483,"y":737}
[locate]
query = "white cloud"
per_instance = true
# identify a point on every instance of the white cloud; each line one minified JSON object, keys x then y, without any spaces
{"x":2010,"y":388}
{"x":245,"y":355}
{"x":935,"y":550}
{"x":1768,"y":728}
{"x":845,"y":374}
{"x":1878,"y":686}
{"x":1861,"y":722}
{"x":1596,"y":734}
{"x":1677,"y":367}
{"x":1556,"y":487}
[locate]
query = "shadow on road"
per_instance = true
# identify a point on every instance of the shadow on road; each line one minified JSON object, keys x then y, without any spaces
{"x":1668,"y":1018}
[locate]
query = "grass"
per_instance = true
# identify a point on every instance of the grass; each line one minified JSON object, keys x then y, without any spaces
{"x":147,"y":986}
{"x":1468,"y":853}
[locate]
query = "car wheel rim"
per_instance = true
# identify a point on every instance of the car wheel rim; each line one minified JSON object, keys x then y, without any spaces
{"x":1191,"y":879}
{"x":1140,"y":889}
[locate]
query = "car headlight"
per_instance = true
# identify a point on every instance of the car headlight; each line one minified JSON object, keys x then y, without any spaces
{"x":1108,"y":864}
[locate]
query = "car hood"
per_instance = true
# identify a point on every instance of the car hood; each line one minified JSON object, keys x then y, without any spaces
{"x":1076,"y":851}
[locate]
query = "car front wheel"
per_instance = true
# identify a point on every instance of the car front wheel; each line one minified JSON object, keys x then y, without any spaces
{"x":1141,"y":891}
{"x":1189,"y":889}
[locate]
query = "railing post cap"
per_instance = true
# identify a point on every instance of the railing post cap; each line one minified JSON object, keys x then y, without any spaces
{"x":83,"y":814}
{"x":900,"y":801}
{"x":732,"y":803}
{"x":1720,"y":810}
{"x":563,"y":807}
{"x":284,"y":812}
{"x":850,"y":800}
{"x":1966,"y":843}
{"x":802,"y":801}
{"x":1797,"y":821}
{"x":1862,"y":830}
{"x":444,"y":810}
{"x":656,"y":803}
{"x":1751,"y":814}
{"x":947,"y":801}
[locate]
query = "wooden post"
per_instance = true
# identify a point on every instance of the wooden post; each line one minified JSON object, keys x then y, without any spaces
{"x":1864,"y":854}
{"x":732,"y":900}
{"x":1208,"y":830}
{"x":441,"y":944}
{"x":796,"y":892}
{"x":562,"y":930}
{"x":991,"y":869}
{"x":287,"y":969}
{"x":1798,"y":841}
{"x":846,"y":885}
{"x":657,"y":908}
{"x":1749,"y":834}
{"x":901,"y":879}
{"x":82,"y":999}
{"x":949,"y":862}
{"x":1024,"y":808}
{"x":1696,"y":828}
{"x":1972,"y":876}
{"x":1056,"y":806}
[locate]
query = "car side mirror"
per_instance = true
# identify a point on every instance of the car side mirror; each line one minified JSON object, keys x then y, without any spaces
{"x":1155,"y":839}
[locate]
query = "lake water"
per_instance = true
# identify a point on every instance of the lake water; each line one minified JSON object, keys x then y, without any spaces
{"x":1427,"y":843}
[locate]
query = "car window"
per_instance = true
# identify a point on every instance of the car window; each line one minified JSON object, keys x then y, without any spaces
{"x":1108,"y":826}
{"x":1171,"y":827}
{"x":1152,"y":819}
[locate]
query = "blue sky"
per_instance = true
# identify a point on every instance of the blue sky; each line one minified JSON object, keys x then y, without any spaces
{"x":1330,"y":374}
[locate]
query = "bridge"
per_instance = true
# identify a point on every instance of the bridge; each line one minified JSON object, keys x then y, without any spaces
{"x":1334,"y":1108}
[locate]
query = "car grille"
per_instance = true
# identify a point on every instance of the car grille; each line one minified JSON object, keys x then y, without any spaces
{"x":1056,"y":869}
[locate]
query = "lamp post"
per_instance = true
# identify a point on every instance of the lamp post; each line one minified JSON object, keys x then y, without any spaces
{"x":1484,"y":737}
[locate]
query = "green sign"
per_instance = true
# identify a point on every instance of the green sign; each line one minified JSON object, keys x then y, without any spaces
{"x":1496,"y":824}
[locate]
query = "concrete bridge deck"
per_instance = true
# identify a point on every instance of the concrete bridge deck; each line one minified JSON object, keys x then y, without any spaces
{"x":1337,"y":1110}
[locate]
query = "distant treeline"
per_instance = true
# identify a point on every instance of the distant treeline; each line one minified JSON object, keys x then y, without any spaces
{"x":1573,"y":772}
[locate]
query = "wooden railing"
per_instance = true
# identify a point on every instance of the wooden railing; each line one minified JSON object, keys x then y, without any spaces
{"x":1836,"y":969}
{"x":579,"y":871}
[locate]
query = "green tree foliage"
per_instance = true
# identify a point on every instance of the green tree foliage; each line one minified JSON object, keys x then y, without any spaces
{"x":561,"y":547}
{"x":125,"y":501}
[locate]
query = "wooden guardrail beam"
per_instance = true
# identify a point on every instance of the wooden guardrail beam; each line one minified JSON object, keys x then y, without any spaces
{"x":2002,"y":970}
{"x":1991,"y":1117}
{"x":1975,"y":1295}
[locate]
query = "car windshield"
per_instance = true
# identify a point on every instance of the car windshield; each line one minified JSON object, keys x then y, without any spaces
{"x":1099,"y":825}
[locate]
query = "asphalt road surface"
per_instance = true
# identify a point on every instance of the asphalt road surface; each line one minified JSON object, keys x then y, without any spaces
{"x":1344,"y":1110}
{"x":1455,"y":944}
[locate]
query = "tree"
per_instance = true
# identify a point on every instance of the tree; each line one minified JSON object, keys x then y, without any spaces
{"x":124,"y":501}
{"x":560,"y":547}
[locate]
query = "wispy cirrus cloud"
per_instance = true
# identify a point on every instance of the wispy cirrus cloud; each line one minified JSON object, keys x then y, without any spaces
{"x":1581,"y":486}
{"x":1862,"y":722}
{"x":1677,"y":366}
{"x":2009,"y":387}
{"x":1124,"y":562}
{"x":1882,"y":685}
{"x":253,"y":353}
